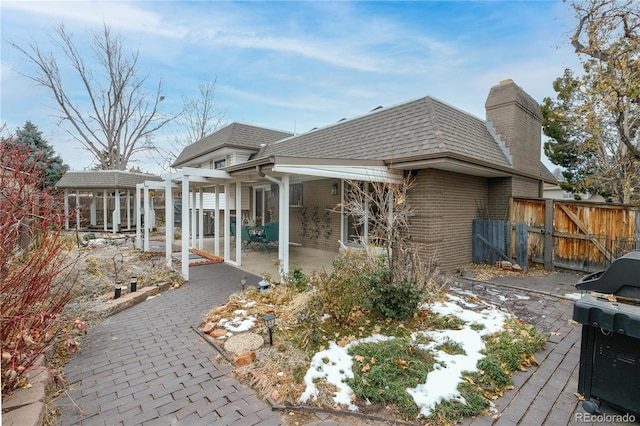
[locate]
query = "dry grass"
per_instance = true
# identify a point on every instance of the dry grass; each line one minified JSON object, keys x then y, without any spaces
{"x":485,"y":272}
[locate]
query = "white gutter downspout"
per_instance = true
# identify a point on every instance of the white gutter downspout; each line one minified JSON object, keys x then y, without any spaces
{"x":283,"y":220}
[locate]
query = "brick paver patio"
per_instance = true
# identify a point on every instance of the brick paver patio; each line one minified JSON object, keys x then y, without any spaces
{"x":146,"y":365}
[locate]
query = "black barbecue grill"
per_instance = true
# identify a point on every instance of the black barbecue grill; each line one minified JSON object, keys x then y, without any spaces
{"x":610,"y":347}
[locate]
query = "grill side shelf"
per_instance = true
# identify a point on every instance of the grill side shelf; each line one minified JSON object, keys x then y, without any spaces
{"x":608,"y":316}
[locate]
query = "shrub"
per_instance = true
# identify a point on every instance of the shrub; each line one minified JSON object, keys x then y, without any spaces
{"x":348,"y":288}
{"x":297,"y":279}
{"x":35,"y":278}
{"x":397,"y":301}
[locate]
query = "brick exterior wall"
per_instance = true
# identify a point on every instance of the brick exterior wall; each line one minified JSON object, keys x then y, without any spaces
{"x":445,"y":205}
{"x":314,"y":225}
{"x":516,"y":117}
{"x":523,"y":187}
{"x":499,"y":191}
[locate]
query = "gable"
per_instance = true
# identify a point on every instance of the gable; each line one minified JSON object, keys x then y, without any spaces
{"x":235,"y":137}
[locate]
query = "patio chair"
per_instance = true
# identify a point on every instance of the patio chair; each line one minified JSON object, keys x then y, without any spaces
{"x":247,"y":239}
{"x":270,"y":236}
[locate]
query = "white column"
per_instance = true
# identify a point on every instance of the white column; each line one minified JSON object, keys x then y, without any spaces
{"x":283,"y":231}
{"x":77,"y":210}
{"x":169,"y":231}
{"x":105,"y":213}
{"x":227,"y":223}
{"x":128,"y":210}
{"x":216,"y":231}
{"x":238,"y":207}
{"x":185,"y":227}
{"x":194,"y":224}
{"x":66,"y":209}
{"x":147,"y":216}
{"x":136,"y":206}
{"x":116,"y":212}
{"x":201,"y":220}
{"x":92,"y":210}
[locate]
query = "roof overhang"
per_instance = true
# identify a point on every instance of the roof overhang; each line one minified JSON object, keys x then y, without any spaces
{"x":361,"y":170}
{"x":464,"y":165}
{"x":217,"y":153}
{"x":456,"y":166}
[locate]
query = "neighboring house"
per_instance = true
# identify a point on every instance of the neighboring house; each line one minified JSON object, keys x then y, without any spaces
{"x":465,"y":168}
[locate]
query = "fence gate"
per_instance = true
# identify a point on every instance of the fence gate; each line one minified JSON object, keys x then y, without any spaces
{"x":492,"y":242}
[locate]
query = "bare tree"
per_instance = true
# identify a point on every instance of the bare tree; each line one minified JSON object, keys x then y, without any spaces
{"x":384,"y":210}
{"x":608,"y":32}
{"x":117,"y":117}
{"x":200,"y":116}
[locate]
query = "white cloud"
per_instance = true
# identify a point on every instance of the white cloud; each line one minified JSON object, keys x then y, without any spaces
{"x":116,"y":14}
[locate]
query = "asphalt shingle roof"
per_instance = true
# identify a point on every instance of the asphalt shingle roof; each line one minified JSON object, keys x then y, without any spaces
{"x":418,"y":128}
{"x":103,"y":179}
{"x":236,"y":135}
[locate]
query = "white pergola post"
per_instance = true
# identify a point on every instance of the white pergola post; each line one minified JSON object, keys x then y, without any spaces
{"x":283,"y":222}
{"x":194,"y":224}
{"x":66,"y":209}
{"x":283,"y":231}
{"x":227,"y":224}
{"x":216,"y":231}
{"x":92,"y":210}
{"x":138,"y":216}
{"x":147,"y":215}
{"x":116,"y":212}
{"x":168,"y":209}
{"x":201,"y":219}
{"x":185,"y":227}
{"x":128,"y":210}
{"x":105,"y":213}
{"x":238,"y":207}
{"x":77,"y":210}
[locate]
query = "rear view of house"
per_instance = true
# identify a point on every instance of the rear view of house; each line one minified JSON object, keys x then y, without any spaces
{"x":465,"y":168}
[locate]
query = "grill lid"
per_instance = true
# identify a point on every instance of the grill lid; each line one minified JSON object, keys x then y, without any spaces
{"x":621,"y":278}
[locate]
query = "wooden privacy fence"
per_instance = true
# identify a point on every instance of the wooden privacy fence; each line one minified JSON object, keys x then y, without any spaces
{"x":492,"y":242}
{"x":575,"y":235}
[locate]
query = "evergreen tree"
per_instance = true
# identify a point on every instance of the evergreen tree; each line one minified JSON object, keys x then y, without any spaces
{"x":41,"y":153}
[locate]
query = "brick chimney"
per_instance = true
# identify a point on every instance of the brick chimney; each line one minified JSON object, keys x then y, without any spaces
{"x":516,"y":118}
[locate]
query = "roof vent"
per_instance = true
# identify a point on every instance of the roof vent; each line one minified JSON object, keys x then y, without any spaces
{"x":376,"y":108}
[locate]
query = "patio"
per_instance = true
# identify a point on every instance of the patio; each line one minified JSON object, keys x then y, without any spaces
{"x":263,"y":262}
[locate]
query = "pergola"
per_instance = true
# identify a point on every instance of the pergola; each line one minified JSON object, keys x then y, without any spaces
{"x":104,"y":183}
{"x":193,"y":182}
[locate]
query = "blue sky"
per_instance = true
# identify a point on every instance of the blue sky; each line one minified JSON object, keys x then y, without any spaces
{"x":298,"y":65}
